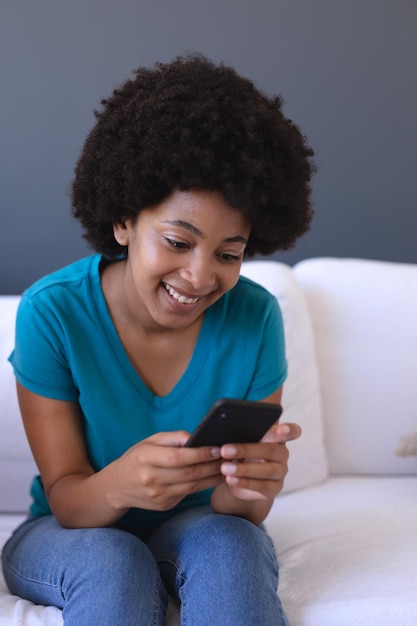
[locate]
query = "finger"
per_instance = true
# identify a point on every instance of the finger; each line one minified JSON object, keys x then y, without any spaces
{"x":255,"y":470}
{"x":202,"y":484}
{"x":283,"y":433}
{"x":180,"y":475}
{"x":175,"y":439}
{"x":164,"y":493}
{"x":264,"y":450}
{"x":160,"y":497}
{"x":191,"y":474}
{"x":259,"y":470}
{"x":161,"y":451}
{"x":250,"y":488}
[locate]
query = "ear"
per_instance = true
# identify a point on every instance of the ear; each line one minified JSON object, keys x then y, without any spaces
{"x":121,"y":231}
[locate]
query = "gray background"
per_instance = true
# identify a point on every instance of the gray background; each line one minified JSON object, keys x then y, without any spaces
{"x":346,"y":69}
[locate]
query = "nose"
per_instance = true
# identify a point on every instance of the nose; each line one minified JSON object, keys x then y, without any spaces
{"x":199,"y":273}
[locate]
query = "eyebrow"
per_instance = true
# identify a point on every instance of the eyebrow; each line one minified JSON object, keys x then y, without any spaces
{"x":198,"y":233}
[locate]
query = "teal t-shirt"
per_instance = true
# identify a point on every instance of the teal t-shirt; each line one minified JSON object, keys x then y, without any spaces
{"x":67,"y":348}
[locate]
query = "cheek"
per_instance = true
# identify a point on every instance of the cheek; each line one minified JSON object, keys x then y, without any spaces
{"x":146,"y":256}
{"x":230,"y":278}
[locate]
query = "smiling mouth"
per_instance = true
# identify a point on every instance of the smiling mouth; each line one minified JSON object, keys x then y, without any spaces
{"x":179,"y":297}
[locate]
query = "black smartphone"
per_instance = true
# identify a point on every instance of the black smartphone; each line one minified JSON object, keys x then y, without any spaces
{"x":235,"y":421}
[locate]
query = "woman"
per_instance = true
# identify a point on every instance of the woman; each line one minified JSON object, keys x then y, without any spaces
{"x":120,"y":355}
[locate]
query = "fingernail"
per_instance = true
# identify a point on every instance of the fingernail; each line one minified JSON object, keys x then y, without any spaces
{"x":229,"y":450}
{"x":228,"y":468}
{"x":215,"y":452}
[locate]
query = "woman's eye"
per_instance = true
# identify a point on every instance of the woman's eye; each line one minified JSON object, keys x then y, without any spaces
{"x":179,"y":245}
{"x":230,"y":257}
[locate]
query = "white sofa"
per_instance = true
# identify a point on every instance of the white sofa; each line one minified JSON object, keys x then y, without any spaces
{"x":346,"y":525}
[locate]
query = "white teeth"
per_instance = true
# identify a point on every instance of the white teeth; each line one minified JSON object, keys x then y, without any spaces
{"x":178,"y":297}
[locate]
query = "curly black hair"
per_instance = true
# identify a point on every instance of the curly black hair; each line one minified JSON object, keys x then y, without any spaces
{"x":192,"y":124}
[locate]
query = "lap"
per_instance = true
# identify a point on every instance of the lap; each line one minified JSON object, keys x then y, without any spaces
{"x":206,"y":560}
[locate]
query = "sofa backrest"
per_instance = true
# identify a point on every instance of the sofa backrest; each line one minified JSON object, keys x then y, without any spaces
{"x":302,"y":396}
{"x":364,"y":317}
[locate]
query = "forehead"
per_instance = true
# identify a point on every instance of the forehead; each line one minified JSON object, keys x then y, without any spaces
{"x":200,"y":212}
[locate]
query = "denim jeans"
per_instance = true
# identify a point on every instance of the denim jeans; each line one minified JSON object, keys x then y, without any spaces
{"x":221,"y":569}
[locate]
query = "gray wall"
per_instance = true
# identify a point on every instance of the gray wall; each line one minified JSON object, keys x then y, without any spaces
{"x":347,"y":71}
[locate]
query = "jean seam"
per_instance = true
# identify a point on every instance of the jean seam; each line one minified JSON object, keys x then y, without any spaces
{"x":30,"y":579}
{"x":180,"y":579}
{"x":157,"y":602}
{"x":36,"y":582}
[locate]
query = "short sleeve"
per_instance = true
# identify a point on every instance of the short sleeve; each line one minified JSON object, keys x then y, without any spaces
{"x":39,"y":357}
{"x":271,"y":363}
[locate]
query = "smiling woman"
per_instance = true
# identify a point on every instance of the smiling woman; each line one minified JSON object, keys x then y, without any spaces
{"x":191,"y":245}
{"x":118,"y":357}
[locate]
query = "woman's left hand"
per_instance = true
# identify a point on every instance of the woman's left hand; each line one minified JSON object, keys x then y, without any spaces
{"x":256,"y":471}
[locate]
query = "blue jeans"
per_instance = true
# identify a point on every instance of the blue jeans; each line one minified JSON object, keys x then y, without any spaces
{"x":221,"y":569}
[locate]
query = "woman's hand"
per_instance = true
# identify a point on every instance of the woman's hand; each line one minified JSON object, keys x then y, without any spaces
{"x":257,"y":471}
{"x":159,"y":472}
{"x":254,"y":473}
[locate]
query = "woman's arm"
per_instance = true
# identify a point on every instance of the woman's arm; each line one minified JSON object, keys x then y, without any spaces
{"x":254,"y":473}
{"x":154,"y":474}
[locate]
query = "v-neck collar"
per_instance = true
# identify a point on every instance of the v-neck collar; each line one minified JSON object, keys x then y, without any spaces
{"x":111,"y":336}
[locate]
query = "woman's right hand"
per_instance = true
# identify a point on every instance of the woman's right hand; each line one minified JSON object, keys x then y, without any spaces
{"x":159,"y":472}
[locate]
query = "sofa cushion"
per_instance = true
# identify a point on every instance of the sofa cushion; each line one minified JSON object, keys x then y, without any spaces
{"x":301,"y":398}
{"x":16,"y":462}
{"x":364,"y":315}
{"x":347,"y":552}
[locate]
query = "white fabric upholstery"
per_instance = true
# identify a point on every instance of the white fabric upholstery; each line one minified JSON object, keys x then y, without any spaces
{"x":16,"y":463}
{"x":347,"y":550}
{"x":364,"y":315}
{"x":345,"y":525}
{"x":301,"y":397}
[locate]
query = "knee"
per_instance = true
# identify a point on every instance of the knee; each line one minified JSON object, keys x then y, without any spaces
{"x":102,"y":553}
{"x":236,"y":540}
{"x":116,"y":580}
{"x":223,"y":556}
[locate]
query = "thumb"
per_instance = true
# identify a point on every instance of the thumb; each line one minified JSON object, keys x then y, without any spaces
{"x":282,"y":433}
{"x":174,"y":439}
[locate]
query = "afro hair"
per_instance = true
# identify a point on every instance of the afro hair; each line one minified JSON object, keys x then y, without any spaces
{"x":191,"y":124}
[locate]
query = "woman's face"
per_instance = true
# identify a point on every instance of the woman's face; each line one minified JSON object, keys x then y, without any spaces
{"x":183,"y":255}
